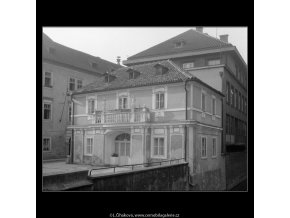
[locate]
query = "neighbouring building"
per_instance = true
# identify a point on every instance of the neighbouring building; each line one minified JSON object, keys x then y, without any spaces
{"x":219,"y":64}
{"x":63,"y":70}
{"x":147,"y":113}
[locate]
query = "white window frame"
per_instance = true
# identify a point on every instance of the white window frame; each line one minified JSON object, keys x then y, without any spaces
{"x":123,"y":94}
{"x":51,"y":80}
{"x":213,"y":100}
{"x":87,"y":103}
{"x":86,"y":145}
{"x":212,"y":62}
{"x":49,"y":143}
{"x":185,"y":65}
{"x":156,"y":90}
{"x":47,"y":102}
{"x":216,"y":149}
{"x":77,"y":86}
{"x":122,"y":104}
{"x":203,"y":93}
{"x":165,"y":147}
{"x":69,"y":82}
{"x":201,"y":147}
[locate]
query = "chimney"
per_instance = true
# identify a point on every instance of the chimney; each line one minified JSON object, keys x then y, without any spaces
{"x":118,"y":59}
{"x":199,"y":29}
{"x":224,"y":38}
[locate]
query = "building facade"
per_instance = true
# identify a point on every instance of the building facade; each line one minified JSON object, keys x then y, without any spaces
{"x":64,"y":70}
{"x":147,"y":113}
{"x":219,"y":64}
{"x":215,"y":62}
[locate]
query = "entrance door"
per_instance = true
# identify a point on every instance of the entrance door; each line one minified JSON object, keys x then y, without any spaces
{"x":122,"y":148}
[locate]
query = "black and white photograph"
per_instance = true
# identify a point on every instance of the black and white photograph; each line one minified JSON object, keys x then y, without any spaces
{"x":145,"y":109}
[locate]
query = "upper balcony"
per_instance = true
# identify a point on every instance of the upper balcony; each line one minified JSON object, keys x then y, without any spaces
{"x":136,"y":115}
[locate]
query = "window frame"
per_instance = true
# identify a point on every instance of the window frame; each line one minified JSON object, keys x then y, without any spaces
{"x":46,"y":137}
{"x":201,"y":147}
{"x":51,"y":79}
{"x":213,"y":105}
{"x":203,"y":93}
{"x":214,"y":139}
{"x":122,"y":97}
{"x":186,"y":68}
{"x":158,"y":90}
{"x":213,"y":60}
{"x":158,"y":146}
{"x":159,"y":102}
{"x":74,"y":83}
{"x":88,"y":98}
{"x":79,"y":80}
{"x":228,"y":92}
{"x":86,"y":146}
{"x":50,"y":115}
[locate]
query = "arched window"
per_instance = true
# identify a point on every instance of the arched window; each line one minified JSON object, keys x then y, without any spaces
{"x":122,"y":144}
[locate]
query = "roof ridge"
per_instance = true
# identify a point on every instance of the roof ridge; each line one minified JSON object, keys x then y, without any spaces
{"x":204,"y":34}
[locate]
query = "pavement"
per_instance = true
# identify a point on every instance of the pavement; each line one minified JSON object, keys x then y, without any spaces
{"x":60,"y":167}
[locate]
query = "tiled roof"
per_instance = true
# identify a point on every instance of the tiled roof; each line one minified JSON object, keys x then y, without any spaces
{"x":147,"y":77}
{"x":72,"y":57}
{"x":194,"y":41}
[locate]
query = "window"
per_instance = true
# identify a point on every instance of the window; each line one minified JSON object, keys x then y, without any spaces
{"x":48,"y":79}
{"x":236,"y":97}
{"x":159,"y":100}
{"x":94,"y":65}
{"x":158,"y":147}
{"x":202,"y":101}
{"x":47,"y":111}
{"x":214,"y":147}
{"x":213,"y":106}
{"x":122,"y":144}
{"x":228,"y":92}
{"x":91,"y":106}
{"x":203,"y":147}
{"x":232,"y":96}
{"x":188,"y":65}
{"x":242,"y":105}
{"x":46,"y":144}
{"x":69,"y":112}
{"x":80,"y":84}
{"x":213,"y":62}
{"x":227,"y":124}
{"x":89,"y":146}
{"x":179,"y":44}
{"x":240,"y":99}
{"x":123,"y":102}
{"x":72,"y":84}
{"x":245,"y":106}
{"x":237,"y":70}
{"x":133,"y":74}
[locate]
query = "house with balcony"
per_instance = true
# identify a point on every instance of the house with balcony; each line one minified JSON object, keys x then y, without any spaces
{"x":218,"y":63}
{"x":147,"y":113}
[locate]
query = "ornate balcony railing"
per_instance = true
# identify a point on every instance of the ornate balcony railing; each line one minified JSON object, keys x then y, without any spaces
{"x":137,"y":115}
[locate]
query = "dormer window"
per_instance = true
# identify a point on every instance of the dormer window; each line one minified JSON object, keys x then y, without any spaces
{"x":109,"y":78}
{"x":179,"y":44}
{"x":94,"y":65}
{"x":133,"y":74}
{"x":160,"y":69}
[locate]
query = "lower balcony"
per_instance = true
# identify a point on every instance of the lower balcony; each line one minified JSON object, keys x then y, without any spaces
{"x":137,"y":115}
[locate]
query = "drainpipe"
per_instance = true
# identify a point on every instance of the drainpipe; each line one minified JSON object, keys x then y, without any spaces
{"x":185,"y":132}
{"x":185,"y":141}
{"x":72,"y":140}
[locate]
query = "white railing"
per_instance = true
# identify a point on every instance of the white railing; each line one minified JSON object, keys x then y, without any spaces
{"x":142,"y":115}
